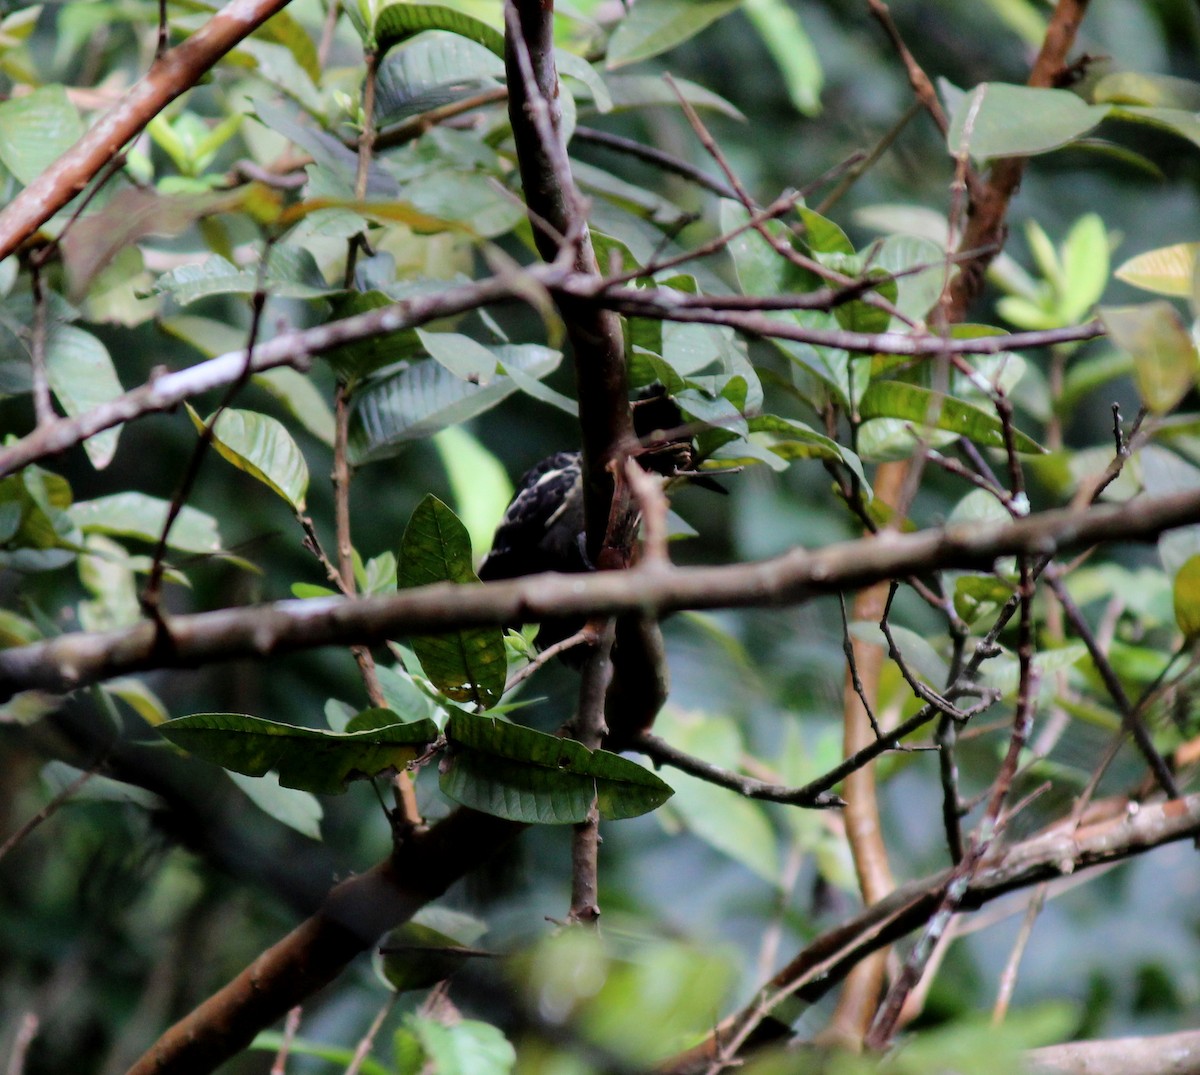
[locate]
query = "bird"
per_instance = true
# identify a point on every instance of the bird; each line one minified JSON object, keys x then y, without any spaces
{"x":543,"y":525}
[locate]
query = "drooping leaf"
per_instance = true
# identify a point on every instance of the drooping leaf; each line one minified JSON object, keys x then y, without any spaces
{"x":305,"y":758}
{"x":82,"y":376}
{"x":430,"y":72}
{"x":140,"y":516}
{"x":1165,"y":362}
{"x":428,"y":949}
{"x":423,"y":398}
{"x":641,"y":91}
{"x":651,"y":27}
{"x":1143,"y":88}
{"x":1168,"y":270}
{"x":528,"y":776}
{"x":398,"y":22}
{"x":997,"y":119}
{"x":924,"y":407}
{"x":1186,"y":593}
{"x":37,"y":129}
{"x":467,"y":665}
{"x":792,"y":50}
{"x":299,"y":810}
{"x":262,"y":447}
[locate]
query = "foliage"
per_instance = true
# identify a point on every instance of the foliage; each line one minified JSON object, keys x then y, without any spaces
{"x":358,"y":162}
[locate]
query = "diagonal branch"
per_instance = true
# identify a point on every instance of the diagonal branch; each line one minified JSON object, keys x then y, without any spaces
{"x":171,"y":74}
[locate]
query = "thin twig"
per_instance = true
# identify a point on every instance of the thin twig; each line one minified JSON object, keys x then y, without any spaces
{"x":661,"y":752}
{"x":290,"y":1026}
{"x":49,"y":810}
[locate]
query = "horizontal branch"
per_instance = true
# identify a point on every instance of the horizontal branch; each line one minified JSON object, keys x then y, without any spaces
{"x":76,"y":660}
{"x":168,"y":390}
{"x":742,"y":313}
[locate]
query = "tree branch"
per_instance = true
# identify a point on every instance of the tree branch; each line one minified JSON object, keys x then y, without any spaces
{"x":171,"y":74}
{"x":1057,"y":852}
{"x":75,"y":660}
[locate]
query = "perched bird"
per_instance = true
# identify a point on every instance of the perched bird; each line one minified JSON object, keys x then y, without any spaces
{"x":543,"y":526}
{"x":543,"y":530}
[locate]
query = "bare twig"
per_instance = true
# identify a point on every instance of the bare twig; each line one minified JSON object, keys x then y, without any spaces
{"x":49,"y":810}
{"x":661,"y":752}
{"x":290,"y":1026}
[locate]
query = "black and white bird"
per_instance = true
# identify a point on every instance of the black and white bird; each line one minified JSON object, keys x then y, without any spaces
{"x":543,"y":526}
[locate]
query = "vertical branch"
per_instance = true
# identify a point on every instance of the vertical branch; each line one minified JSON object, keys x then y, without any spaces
{"x":597,"y":346}
{"x":864,"y":832}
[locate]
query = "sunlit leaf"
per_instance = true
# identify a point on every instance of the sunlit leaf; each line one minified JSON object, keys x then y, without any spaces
{"x":306,"y":758}
{"x":299,"y":810}
{"x":423,"y":398}
{"x":1164,"y":356}
{"x":83,"y":377}
{"x":1001,"y":120}
{"x":792,"y":49}
{"x":140,"y":516}
{"x":651,"y":27}
{"x":1168,"y":270}
{"x":1186,"y":593}
{"x":924,"y":407}
{"x":262,"y":447}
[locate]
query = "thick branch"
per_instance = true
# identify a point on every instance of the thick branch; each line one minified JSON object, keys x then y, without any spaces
{"x":597,"y":344}
{"x":76,"y":660}
{"x":353,"y":916}
{"x":171,"y":74}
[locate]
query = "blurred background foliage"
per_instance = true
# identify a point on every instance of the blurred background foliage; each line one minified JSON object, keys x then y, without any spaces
{"x":131,"y":905}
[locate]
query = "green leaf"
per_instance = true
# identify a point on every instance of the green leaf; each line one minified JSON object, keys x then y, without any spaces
{"x":1001,"y":120}
{"x":1085,"y":266}
{"x":140,"y":516}
{"x":428,"y":948}
{"x":468,"y":1047}
{"x":924,"y":407}
{"x":735,"y":826}
{"x":299,"y":810}
{"x":1164,"y":356}
{"x":82,"y":376}
{"x":651,"y":27}
{"x":424,"y":397}
{"x":481,"y":485}
{"x":527,"y":776}
{"x":262,"y":447}
{"x":467,"y":665}
{"x":398,"y":22}
{"x":1168,"y":270}
{"x":792,"y":50}
{"x":287,"y":31}
{"x":306,"y":758}
{"x":642,"y":91}
{"x":430,"y":72}
{"x":1186,"y":593}
{"x":37,"y":129}
{"x":292,"y":273}
{"x":1141,"y":88}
